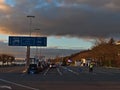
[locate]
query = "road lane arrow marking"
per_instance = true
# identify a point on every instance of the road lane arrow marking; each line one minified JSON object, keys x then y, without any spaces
{"x":20,"y":85}
{"x":6,"y":87}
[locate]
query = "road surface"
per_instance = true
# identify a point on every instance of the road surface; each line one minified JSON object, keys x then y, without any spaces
{"x":60,"y":78}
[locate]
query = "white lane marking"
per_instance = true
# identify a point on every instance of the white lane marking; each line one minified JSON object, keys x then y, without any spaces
{"x":46,"y":71}
{"x":20,"y":85}
{"x":6,"y":87}
{"x":59,"y":71}
{"x":71,"y":71}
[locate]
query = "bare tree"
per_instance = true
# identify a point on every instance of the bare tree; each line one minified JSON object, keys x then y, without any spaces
{"x":4,"y":58}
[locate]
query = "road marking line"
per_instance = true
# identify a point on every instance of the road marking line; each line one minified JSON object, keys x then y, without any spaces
{"x":6,"y":87}
{"x":59,"y":71}
{"x":71,"y":71}
{"x":46,"y":71}
{"x":20,"y":85}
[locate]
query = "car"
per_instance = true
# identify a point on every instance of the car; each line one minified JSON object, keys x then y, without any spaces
{"x":42,"y":66}
{"x":33,"y":69}
{"x":52,"y":65}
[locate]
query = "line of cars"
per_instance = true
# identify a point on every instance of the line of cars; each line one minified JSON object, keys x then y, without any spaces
{"x":41,"y":66}
{"x":36,"y":68}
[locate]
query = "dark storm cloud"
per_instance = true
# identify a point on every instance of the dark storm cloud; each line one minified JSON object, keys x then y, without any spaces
{"x":79,"y":18}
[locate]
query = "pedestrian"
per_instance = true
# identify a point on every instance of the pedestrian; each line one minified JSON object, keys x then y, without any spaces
{"x":91,"y":67}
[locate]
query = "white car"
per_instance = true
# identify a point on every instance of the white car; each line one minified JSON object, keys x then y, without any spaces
{"x":53,"y":65}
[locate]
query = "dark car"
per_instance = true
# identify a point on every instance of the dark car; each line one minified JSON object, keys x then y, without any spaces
{"x":33,"y":69}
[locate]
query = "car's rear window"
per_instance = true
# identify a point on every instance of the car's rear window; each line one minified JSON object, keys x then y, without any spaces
{"x":33,"y":65}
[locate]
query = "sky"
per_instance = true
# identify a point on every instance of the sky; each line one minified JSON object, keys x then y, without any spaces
{"x":68,"y":24}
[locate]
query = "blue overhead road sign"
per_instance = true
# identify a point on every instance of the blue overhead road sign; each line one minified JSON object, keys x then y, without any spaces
{"x":27,"y":41}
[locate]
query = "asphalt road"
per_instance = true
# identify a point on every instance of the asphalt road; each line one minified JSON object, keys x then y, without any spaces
{"x":61,"y":78}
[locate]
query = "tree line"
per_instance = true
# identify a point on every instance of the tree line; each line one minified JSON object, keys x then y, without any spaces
{"x":6,"y":59}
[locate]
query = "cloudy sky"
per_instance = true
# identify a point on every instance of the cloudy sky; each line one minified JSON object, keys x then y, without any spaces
{"x":68,"y":24}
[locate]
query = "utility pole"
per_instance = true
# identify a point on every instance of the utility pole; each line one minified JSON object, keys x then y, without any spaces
{"x":28,"y":47}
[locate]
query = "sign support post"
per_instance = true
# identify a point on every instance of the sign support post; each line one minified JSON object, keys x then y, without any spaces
{"x":28,"y":56}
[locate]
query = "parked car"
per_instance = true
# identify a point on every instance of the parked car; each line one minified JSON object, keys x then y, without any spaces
{"x":33,"y":69}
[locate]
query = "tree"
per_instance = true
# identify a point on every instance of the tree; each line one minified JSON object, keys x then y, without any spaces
{"x":106,"y":53}
{"x":4,"y":58}
{"x":111,"y":41}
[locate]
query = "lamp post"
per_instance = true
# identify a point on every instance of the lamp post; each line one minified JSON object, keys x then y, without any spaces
{"x":37,"y":29}
{"x":30,"y":27}
{"x":28,"y":47}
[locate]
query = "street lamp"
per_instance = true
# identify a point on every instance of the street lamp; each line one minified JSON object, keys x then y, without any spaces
{"x":28,"y":47}
{"x":30,"y":17}
{"x":37,"y":29}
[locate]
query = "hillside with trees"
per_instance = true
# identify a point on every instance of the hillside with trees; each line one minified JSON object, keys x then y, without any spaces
{"x":104,"y":53}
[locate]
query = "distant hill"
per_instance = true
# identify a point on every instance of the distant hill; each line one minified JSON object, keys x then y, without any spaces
{"x":80,"y":55}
